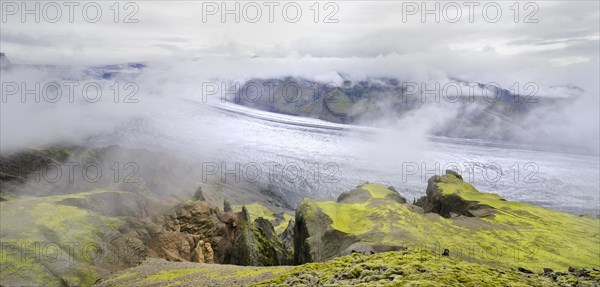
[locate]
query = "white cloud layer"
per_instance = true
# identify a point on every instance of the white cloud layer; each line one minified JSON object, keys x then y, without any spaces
{"x":369,"y":39}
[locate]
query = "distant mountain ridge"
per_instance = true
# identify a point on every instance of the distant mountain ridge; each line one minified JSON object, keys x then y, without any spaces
{"x":490,"y":113}
{"x":97,"y":72}
{"x":494,"y":113}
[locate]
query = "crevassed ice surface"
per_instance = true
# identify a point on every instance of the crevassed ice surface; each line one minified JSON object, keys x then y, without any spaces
{"x":298,"y":157}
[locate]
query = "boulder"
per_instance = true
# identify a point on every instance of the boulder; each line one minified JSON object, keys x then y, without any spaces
{"x":448,"y":204}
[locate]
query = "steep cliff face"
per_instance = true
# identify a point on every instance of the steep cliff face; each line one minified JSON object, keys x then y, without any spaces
{"x":272,"y":249}
{"x":315,"y":239}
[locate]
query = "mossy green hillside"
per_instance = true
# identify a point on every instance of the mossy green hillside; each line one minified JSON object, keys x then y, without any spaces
{"x":519,"y":235}
{"x":157,"y":272}
{"x":49,"y":242}
{"x":414,"y":268}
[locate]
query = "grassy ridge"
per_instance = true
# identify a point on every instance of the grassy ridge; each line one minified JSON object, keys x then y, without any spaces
{"x":519,"y":235}
{"x":414,"y":268}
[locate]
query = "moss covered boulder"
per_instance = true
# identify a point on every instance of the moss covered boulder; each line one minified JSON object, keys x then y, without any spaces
{"x":449,"y":204}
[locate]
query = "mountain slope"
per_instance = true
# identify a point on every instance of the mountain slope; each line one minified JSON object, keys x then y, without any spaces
{"x":475,"y":226}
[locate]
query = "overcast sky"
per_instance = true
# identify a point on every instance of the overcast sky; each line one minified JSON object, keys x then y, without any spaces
{"x":552,"y":44}
{"x":369,"y":37}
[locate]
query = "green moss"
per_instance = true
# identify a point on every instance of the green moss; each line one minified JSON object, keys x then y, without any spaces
{"x":555,"y":236}
{"x":124,"y":276}
{"x":14,"y":265}
{"x":40,"y":224}
{"x":306,"y":209}
{"x":254,"y":272}
{"x":377,"y":190}
{"x":113,"y":223}
{"x":345,"y":216}
{"x":168,"y":275}
{"x":408,"y":268}
{"x":256,"y":210}
{"x":284,"y":223}
{"x":520,"y":235}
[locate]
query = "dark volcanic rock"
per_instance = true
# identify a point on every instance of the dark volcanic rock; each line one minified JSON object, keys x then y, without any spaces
{"x":526,"y":271}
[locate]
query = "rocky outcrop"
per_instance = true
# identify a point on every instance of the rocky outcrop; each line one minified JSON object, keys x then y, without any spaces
{"x":360,"y":195}
{"x":315,"y":239}
{"x":226,"y":206}
{"x":4,"y":62}
{"x":287,"y":238}
{"x":191,"y":223}
{"x":199,"y":232}
{"x":451,"y":204}
{"x":272,"y":250}
{"x":245,"y":250}
{"x":257,"y":243}
{"x":199,"y":195}
{"x":171,"y":245}
{"x":203,"y":253}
